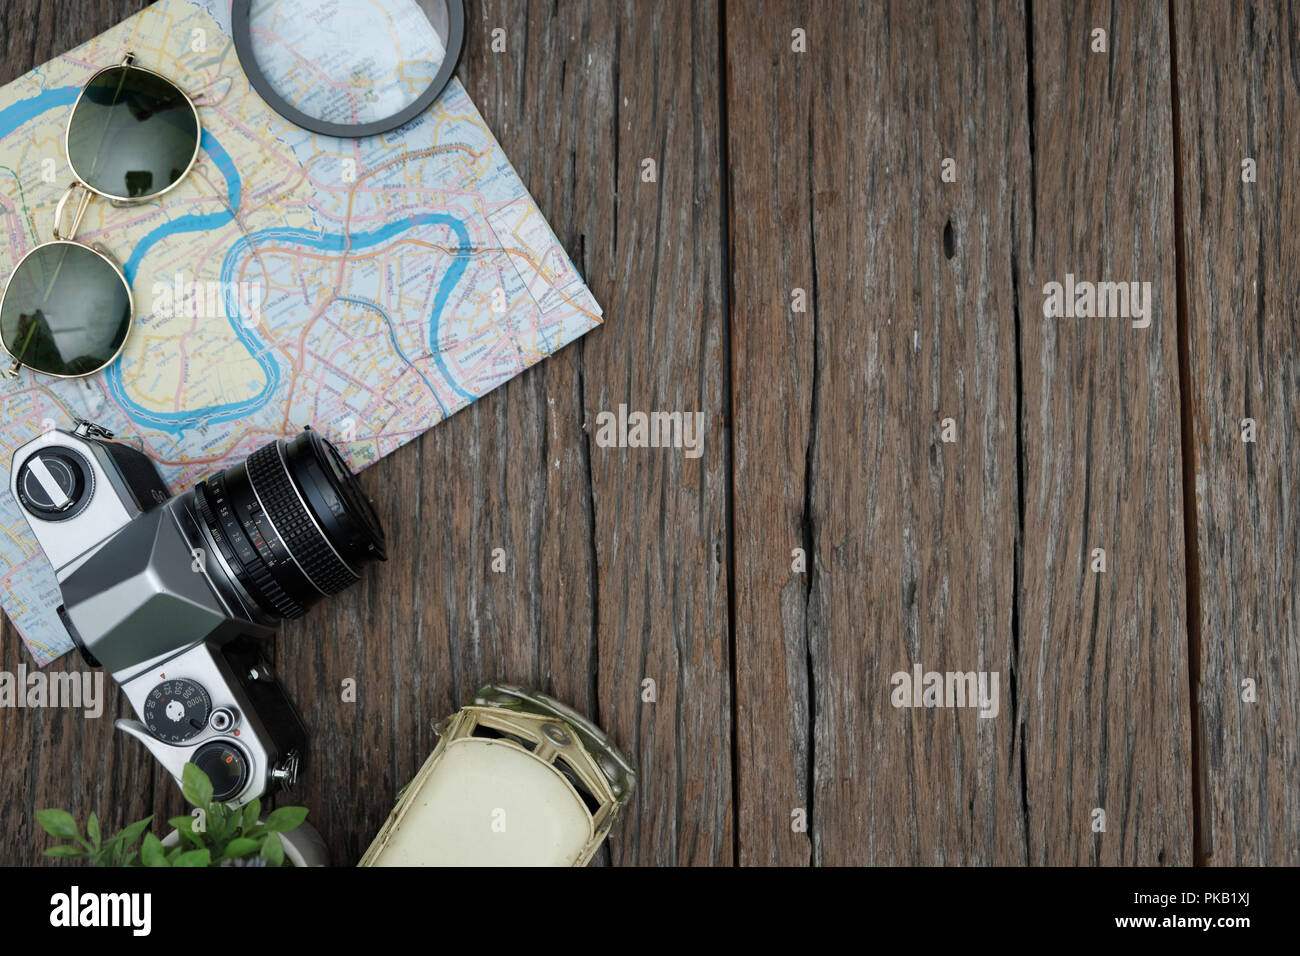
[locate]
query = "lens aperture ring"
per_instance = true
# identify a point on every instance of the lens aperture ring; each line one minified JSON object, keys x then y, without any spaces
{"x":297,"y":529}
{"x":241,"y":554}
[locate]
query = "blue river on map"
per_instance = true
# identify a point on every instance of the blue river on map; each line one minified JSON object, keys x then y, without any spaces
{"x":24,"y":111}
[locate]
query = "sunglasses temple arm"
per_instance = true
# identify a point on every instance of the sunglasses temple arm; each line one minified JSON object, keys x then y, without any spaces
{"x":199,"y":97}
{"x":223,"y":195}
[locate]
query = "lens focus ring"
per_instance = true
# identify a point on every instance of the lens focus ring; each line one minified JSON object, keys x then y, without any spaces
{"x":253,"y":573}
{"x":297,"y":530}
{"x":292,"y":523}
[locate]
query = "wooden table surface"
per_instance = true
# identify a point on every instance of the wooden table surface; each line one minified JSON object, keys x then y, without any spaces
{"x":816,"y":178}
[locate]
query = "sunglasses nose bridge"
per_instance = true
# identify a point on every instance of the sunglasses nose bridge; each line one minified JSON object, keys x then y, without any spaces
{"x":61,"y":209}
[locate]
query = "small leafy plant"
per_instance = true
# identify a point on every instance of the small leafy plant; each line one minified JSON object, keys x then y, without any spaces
{"x":219,"y":836}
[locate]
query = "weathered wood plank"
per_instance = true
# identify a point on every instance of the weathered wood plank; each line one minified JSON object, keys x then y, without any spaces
{"x":654,"y":259}
{"x":1101,"y":672}
{"x":836,"y":189}
{"x":1239,"y":99}
{"x":64,"y":758}
{"x":768,"y":139}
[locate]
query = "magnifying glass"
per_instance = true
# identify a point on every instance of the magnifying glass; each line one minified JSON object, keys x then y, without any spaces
{"x":349,"y":68}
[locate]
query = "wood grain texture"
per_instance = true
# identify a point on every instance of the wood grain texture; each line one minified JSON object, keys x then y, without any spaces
{"x":579,"y":101}
{"x":1101,"y":667}
{"x":925,"y":326}
{"x":1239,"y":96}
{"x":836,"y":189}
{"x":654,"y":258}
{"x":58,"y":758}
{"x":821,"y":171}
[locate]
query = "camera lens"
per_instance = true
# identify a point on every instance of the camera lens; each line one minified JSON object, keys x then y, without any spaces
{"x":292,"y":523}
{"x":225,"y":767}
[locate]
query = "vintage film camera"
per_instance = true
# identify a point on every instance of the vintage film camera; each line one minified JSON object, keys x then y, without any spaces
{"x":173,"y":595}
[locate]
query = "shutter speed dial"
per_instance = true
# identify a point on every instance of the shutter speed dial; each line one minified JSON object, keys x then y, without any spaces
{"x":177,"y":710}
{"x":55,"y":484}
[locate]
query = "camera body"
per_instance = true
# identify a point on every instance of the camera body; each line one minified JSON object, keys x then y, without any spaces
{"x":149,"y":594}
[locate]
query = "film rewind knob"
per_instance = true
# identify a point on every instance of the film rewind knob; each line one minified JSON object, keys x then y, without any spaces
{"x":54,"y":483}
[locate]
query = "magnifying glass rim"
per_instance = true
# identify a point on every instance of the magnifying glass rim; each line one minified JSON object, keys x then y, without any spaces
{"x":240,"y":11}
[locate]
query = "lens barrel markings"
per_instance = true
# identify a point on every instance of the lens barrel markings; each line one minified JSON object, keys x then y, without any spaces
{"x":299,"y":533}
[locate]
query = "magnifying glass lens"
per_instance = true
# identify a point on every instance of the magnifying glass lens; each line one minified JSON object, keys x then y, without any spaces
{"x":349,"y":63}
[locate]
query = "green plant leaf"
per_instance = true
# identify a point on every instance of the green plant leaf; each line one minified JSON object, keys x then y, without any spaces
{"x":58,"y":823}
{"x":120,"y":851}
{"x":251,"y":812}
{"x":285,"y":819}
{"x":196,"y":786}
{"x":132,"y":833}
{"x":193,"y":858}
{"x":65,"y":851}
{"x":151,"y":851}
{"x":185,"y":825}
{"x":92,"y":831}
{"x":112,"y":851}
{"x":240,"y":846}
{"x":219,"y":824}
{"x":273,"y":850}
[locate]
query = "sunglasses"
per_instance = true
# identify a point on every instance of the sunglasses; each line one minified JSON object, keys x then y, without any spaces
{"x":133,"y":135}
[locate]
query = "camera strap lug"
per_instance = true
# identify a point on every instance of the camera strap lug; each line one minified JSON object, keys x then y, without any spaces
{"x":88,"y":429}
{"x":285,"y":773}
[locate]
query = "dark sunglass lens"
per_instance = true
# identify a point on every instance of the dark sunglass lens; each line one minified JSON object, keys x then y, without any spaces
{"x":66,"y":310}
{"x":132,"y":134}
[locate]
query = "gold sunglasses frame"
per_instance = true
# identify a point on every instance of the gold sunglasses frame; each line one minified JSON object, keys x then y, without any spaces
{"x":87,"y":191}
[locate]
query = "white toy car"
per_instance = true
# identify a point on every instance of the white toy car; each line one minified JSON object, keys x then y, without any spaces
{"x":517,"y":779}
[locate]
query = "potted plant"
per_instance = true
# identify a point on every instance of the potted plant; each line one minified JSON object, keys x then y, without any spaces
{"x":219,"y":836}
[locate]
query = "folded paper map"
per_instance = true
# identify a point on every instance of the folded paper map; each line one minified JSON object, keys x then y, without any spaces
{"x":368,"y":288}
